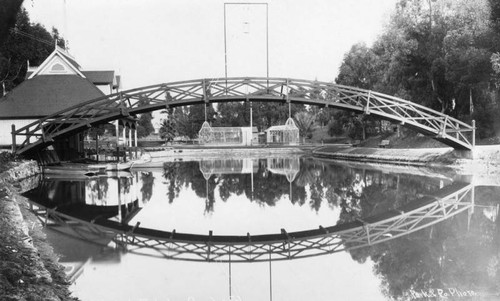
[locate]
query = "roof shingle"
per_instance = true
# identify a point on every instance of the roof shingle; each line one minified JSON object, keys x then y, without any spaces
{"x":100,"y":77}
{"x":46,"y":94}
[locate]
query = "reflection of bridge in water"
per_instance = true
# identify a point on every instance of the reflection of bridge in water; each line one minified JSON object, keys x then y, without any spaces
{"x":424,"y":212}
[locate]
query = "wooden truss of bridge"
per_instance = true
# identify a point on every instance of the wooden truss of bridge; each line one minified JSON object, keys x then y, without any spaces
{"x":440,"y":126}
{"x":419,"y":214}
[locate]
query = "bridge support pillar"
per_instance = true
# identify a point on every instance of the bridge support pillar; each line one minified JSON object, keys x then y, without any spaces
{"x":124,"y":137}
{"x":136,"y":142}
{"x":13,"y":138}
{"x":117,"y":127}
{"x":129,"y":142}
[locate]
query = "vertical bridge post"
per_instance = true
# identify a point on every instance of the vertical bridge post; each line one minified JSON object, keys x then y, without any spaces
{"x":473,"y":142}
{"x":367,"y":107}
{"x":13,"y":138}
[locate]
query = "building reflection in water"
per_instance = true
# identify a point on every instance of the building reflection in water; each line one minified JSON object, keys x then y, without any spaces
{"x":110,"y":197}
{"x":286,"y":166}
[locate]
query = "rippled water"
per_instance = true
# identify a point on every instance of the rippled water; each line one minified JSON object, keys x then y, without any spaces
{"x":398,"y":232}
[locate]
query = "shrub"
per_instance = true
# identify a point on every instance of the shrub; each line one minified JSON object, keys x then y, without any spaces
{"x":6,"y":158}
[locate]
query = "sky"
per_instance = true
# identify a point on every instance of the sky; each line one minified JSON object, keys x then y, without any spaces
{"x":158,"y":41}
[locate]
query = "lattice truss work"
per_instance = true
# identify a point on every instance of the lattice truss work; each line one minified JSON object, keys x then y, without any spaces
{"x":428,"y":211}
{"x":451,"y":131}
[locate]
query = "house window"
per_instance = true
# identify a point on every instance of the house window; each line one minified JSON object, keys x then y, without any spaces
{"x":57,"y":68}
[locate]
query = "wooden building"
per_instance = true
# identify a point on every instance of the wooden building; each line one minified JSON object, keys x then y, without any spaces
{"x":58,"y":83}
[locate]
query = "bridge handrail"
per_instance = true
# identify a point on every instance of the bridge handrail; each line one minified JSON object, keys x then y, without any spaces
{"x":275,"y":79}
{"x":266,"y":88}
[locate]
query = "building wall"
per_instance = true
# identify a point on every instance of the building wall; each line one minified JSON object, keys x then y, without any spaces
{"x":247,"y":136}
{"x":106,"y":89}
{"x":6,"y":128}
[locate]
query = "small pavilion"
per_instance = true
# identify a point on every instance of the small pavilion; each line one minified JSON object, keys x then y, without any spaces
{"x":235,"y":136}
{"x":283,"y":134}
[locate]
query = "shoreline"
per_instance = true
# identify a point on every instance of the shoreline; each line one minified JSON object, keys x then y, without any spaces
{"x":29,"y":268}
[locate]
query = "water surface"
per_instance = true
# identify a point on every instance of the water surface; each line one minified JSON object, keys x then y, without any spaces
{"x":457,"y":254}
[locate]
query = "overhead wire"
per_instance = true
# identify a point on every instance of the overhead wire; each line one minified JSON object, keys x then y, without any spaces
{"x":27,"y":35}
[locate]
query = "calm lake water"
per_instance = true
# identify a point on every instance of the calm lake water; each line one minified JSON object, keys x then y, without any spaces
{"x":385,"y":232}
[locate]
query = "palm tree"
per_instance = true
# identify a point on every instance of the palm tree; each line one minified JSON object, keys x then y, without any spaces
{"x":304,"y":121}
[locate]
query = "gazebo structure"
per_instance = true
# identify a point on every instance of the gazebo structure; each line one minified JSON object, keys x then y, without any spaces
{"x":289,"y":167}
{"x":225,"y":135}
{"x":208,"y":167}
{"x":283,"y":134}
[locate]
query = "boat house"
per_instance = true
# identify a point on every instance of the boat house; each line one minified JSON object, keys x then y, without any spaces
{"x":58,"y":83}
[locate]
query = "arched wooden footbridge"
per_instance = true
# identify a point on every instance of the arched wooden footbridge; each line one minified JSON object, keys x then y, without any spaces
{"x":43,"y":132}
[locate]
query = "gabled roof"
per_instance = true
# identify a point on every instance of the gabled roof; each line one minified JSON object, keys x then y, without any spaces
{"x":69,"y":57}
{"x":100,"y":77}
{"x":62,"y":56}
{"x":46,"y":94}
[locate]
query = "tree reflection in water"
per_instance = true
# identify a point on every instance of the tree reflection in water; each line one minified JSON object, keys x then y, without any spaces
{"x":98,"y":190}
{"x":187,"y":174}
{"x":358,"y":192}
{"x":461,"y":253}
{"x":148,"y":181}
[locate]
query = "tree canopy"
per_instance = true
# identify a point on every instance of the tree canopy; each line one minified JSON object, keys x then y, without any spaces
{"x":443,"y":54}
{"x":8,"y":13}
{"x":24,"y":42}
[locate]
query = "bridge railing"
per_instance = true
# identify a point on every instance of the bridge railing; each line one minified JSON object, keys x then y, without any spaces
{"x":441,"y":126}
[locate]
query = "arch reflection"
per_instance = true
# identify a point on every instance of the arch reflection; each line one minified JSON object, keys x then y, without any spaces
{"x":424,"y":212}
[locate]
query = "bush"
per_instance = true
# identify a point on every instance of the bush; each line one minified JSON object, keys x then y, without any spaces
{"x":487,"y":123}
{"x":6,"y":158}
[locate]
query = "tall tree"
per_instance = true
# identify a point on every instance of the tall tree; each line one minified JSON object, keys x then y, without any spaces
{"x":145,"y":124}
{"x":358,"y":69}
{"x":304,"y":121}
{"x":8,"y":13}
{"x":167,"y":130}
{"x":25,"y":42}
{"x":188,"y":120}
{"x":233,"y":114}
{"x":437,"y":53}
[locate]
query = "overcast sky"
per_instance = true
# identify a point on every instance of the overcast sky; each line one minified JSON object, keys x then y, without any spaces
{"x":156,"y":41}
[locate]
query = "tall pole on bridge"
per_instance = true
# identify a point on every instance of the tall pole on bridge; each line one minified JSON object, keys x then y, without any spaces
{"x":225,"y":35}
{"x":267,"y":53}
{"x":225,"y":48}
